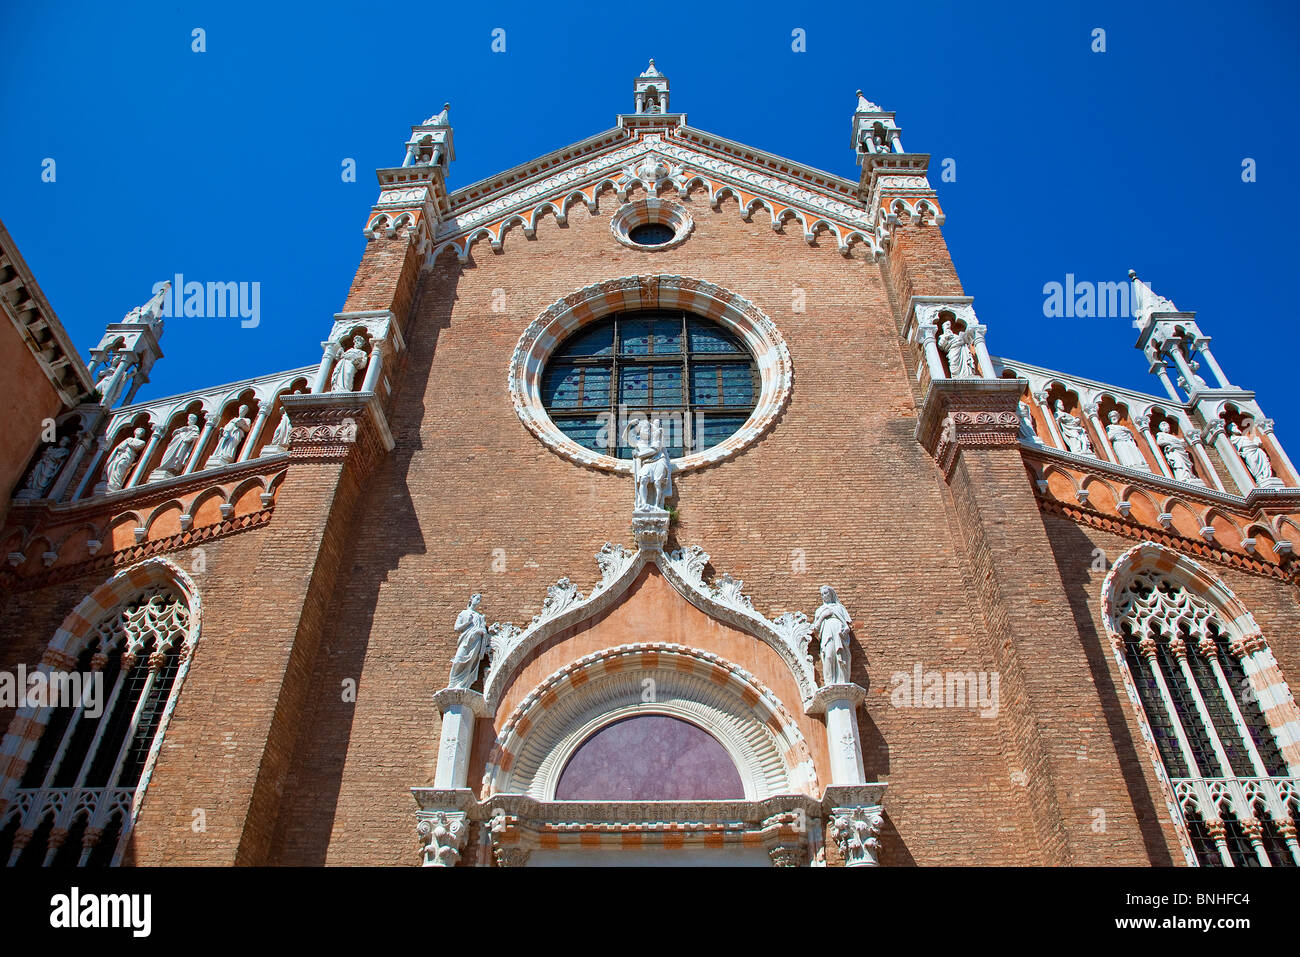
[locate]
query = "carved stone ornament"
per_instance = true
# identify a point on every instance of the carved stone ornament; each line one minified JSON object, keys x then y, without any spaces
{"x":442,"y":838}
{"x":790,"y":634}
{"x":855,"y":830}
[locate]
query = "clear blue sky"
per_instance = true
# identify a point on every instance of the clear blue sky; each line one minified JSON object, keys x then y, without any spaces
{"x":225,"y":165}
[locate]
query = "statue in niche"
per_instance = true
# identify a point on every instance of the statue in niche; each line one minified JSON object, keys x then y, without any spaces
{"x":1251,"y":449}
{"x":43,"y":472}
{"x":956,"y":346}
{"x":351,"y":361}
{"x":232,"y":437}
{"x":1072,"y":430}
{"x":179,"y":448}
{"x":1122,"y":441}
{"x":280,"y":438}
{"x":1027,"y":433}
{"x":118,"y":469}
{"x":652,"y":469}
{"x":471,"y":626}
{"x":831,"y":622}
{"x":1175,"y":452}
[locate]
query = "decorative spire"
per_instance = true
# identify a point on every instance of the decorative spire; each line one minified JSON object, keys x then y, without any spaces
{"x":864,"y":105}
{"x":439,"y":119}
{"x":1146,"y":301}
{"x":651,"y":91}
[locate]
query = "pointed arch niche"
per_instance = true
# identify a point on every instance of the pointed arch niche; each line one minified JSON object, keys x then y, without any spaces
{"x":1218,"y":720}
{"x":73,"y":774}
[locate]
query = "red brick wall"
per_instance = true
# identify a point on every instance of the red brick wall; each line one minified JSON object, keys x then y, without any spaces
{"x":839,"y":477}
{"x":29,"y":399}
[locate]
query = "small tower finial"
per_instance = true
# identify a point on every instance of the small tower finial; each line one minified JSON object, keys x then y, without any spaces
{"x":651,"y":90}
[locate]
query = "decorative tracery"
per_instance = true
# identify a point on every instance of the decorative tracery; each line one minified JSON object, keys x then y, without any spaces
{"x":74,"y":800}
{"x":1213,"y":704}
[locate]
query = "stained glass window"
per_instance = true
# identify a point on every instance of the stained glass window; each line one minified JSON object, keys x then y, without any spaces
{"x":692,"y":374}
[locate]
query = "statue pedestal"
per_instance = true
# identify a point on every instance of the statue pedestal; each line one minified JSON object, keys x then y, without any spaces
{"x":459,"y":707}
{"x":840,"y":705}
{"x":650,"y":527}
{"x":157,"y":475}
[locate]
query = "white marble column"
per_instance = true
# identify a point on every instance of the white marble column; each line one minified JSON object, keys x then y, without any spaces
{"x":1050,"y":419}
{"x":926,"y":335}
{"x":155,"y":437}
{"x":1197,"y":442}
{"x":322,"y":383}
{"x":839,"y":703}
{"x":977,"y":333}
{"x":1236,"y":468}
{"x":378,"y":349}
{"x":209,"y":424}
{"x":1093,"y":411}
{"x":1265,"y":428}
{"x":459,"y":707}
{"x":250,"y":440}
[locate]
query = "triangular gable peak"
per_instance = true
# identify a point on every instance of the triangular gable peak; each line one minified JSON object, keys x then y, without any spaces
{"x":656,"y":153}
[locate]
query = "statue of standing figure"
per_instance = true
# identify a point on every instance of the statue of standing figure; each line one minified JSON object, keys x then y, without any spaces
{"x":956,"y":346}
{"x":831,"y":622}
{"x":652,"y":469}
{"x":1251,"y":449}
{"x":118,"y":469}
{"x":43,"y":472}
{"x":471,"y":626}
{"x":350,"y":362}
{"x":1175,"y":451}
{"x":1027,"y":433}
{"x":1122,"y":441}
{"x":232,"y":437}
{"x":1072,"y":431}
{"x":179,"y":449}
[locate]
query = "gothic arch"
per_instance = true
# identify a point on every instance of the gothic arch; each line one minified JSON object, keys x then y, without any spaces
{"x":703,"y":689}
{"x":1184,"y":644}
{"x":29,"y":808}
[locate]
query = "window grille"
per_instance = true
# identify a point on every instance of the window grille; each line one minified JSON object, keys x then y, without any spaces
{"x":76,"y":801}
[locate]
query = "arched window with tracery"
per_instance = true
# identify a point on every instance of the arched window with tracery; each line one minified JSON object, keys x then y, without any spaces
{"x":77,"y":764}
{"x":1218,"y":714}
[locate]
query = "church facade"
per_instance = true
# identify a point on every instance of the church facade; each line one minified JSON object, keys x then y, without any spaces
{"x":659,"y":501}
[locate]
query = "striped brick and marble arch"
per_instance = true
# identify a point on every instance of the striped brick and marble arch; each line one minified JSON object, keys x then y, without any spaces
{"x":1169,"y":599}
{"x":565,"y":710}
{"x":94,"y":618}
{"x":696,"y":296}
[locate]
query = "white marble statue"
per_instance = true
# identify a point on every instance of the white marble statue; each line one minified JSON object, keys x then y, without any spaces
{"x":1027,"y":433}
{"x":1175,"y":451}
{"x":232,"y":437}
{"x":1122,"y":441}
{"x":831,"y":623}
{"x":280,"y":438}
{"x":43,"y":472}
{"x":1251,"y":449}
{"x":1072,"y":430}
{"x":652,"y":469}
{"x":956,"y":346}
{"x":471,"y":626}
{"x":180,"y":447}
{"x":118,"y":469}
{"x":350,"y":362}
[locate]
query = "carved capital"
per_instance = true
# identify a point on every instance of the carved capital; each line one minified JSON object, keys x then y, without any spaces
{"x":442,"y":837}
{"x":855,"y":830}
